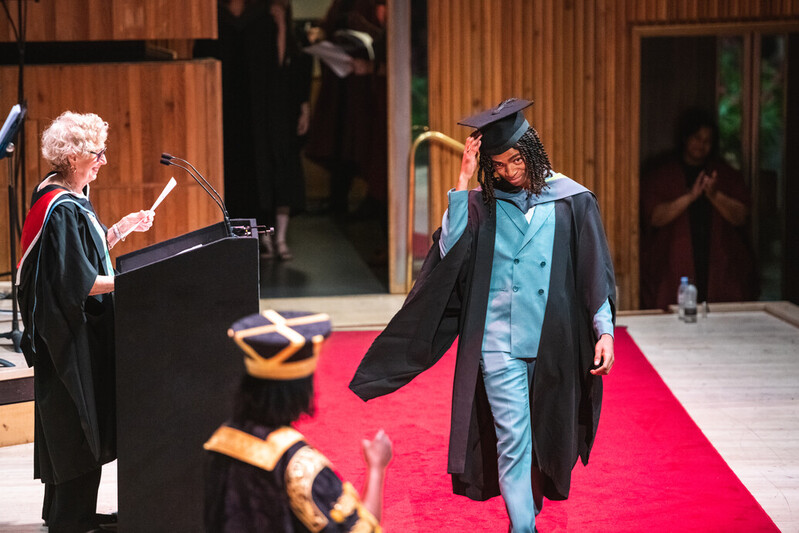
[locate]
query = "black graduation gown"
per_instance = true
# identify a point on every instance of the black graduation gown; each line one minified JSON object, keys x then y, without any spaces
{"x":243,"y":494}
{"x":69,"y":340}
{"x":450,"y":299}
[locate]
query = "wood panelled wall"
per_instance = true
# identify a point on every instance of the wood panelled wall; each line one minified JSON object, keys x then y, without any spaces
{"x":111,"y":20}
{"x":151,"y":108}
{"x":576,"y":59}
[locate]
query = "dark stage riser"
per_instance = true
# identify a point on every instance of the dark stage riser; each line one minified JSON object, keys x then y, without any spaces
{"x":177,"y":370}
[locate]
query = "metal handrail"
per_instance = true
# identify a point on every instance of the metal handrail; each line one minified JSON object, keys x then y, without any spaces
{"x":446,"y":141}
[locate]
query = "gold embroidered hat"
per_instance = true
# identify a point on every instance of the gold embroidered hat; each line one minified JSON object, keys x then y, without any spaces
{"x":281,"y":345}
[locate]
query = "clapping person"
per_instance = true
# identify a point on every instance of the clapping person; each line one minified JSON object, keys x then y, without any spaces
{"x":695,"y":208}
{"x":262,"y":473}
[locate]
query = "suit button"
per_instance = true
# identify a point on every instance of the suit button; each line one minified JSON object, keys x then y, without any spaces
{"x":515,"y":261}
{"x":540,"y":291}
{"x":515,"y":288}
{"x":543,"y":264}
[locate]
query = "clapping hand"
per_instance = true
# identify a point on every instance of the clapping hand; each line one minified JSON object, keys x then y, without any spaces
{"x":705,"y":184}
{"x":709,"y":183}
{"x":698,"y":187}
{"x":378,"y":451}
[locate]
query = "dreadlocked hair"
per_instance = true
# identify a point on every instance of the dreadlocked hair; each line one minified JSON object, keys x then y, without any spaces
{"x":536,"y":162}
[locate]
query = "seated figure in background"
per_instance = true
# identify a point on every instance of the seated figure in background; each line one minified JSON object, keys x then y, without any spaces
{"x":694,"y":211}
{"x":262,"y":474}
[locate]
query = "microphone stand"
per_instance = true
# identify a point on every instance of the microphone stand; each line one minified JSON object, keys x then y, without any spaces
{"x":15,"y":334}
{"x":197,"y":172}
{"x":168,"y":160}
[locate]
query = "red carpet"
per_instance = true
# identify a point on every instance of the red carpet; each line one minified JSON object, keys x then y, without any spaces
{"x":651,"y":469}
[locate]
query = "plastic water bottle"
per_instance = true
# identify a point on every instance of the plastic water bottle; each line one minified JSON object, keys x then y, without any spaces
{"x":689,"y":297}
{"x":681,"y":297}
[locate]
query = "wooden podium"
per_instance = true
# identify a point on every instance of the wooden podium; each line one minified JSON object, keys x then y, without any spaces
{"x":176,"y":368}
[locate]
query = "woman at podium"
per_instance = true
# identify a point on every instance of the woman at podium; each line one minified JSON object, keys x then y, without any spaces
{"x":66,"y":282}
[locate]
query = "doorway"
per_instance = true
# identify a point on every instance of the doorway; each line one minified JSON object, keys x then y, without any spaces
{"x":339,"y":241}
{"x":743,"y":76}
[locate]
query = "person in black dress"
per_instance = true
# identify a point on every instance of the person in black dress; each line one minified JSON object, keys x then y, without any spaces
{"x":265,"y":100}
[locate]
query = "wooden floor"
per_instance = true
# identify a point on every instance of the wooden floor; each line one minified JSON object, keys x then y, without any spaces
{"x":736,"y":372}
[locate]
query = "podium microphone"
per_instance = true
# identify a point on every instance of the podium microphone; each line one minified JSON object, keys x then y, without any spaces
{"x":169,"y":157}
{"x":169,"y":160}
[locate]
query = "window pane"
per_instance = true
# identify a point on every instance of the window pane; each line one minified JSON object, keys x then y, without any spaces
{"x":420,"y":123}
{"x":730,"y":98}
{"x":770,"y":175}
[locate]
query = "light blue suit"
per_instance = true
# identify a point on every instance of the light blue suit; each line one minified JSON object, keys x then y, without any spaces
{"x":518,"y":293}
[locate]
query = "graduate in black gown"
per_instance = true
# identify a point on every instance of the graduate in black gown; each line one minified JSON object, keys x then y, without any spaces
{"x":66,"y":284}
{"x":262,"y":475}
{"x":532,"y":303}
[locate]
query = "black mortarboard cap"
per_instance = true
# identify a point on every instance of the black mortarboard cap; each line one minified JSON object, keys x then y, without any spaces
{"x":281,"y":345}
{"x":502,"y":126}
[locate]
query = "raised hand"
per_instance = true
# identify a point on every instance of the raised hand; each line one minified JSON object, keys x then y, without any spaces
{"x":378,"y":451}
{"x":698,"y":187}
{"x":471,"y":153}
{"x":709,"y":184}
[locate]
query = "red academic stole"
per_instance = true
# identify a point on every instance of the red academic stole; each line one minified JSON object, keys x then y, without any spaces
{"x":34,"y":224}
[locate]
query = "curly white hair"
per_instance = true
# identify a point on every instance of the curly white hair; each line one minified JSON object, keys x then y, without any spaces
{"x":72,"y":134}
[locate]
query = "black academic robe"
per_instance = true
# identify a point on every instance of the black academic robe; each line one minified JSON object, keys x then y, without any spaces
{"x":449,"y":300}
{"x":264,"y":479}
{"x":69,"y":340}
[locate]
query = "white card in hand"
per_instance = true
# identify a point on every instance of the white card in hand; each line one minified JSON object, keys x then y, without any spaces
{"x":167,"y":190}
{"x":169,"y":186}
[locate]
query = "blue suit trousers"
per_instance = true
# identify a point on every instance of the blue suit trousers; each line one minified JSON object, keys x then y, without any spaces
{"x":508,"y":383}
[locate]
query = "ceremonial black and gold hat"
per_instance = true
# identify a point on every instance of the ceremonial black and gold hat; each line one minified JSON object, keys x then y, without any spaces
{"x":281,"y":345}
{"x":502,"y":126}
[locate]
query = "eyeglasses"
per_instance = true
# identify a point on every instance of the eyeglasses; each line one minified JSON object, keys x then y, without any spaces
{"x":99,"y":155}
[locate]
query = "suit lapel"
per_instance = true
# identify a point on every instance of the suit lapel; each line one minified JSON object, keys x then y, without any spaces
{"x":540,"y":215}
{"x":515,"y":214}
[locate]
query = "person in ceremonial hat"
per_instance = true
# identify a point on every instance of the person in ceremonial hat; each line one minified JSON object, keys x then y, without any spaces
{"x":262,"y":474}
{"x":520,"y":271}
{"x":66,"y":284}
